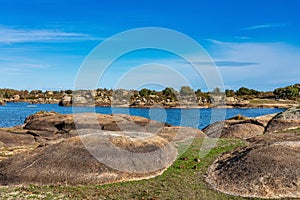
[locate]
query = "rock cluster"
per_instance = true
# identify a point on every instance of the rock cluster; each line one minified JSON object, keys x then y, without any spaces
{"x":2,"y":102}
{"x":109,"y":148}
{"x":65,"y":101}
{"x":268,"y":167}
{"x":69,"y":162}
{"x":238,"y":127}
{"x":288,"y":120}
{"x":91,"y":148}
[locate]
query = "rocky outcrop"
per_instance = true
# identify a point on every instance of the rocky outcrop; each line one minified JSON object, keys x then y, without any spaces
{"x":66,"y":101}
{"x":15,"y":139}
{"x":267,"y":168}
{"x":237,"y":127}
{"x":2,"y":103}
{"x":2,"y":145}
{"x":89,"y":148}
{"x":48,"y":126}
{"x":69,"y":162}
{"x":285,"y":121}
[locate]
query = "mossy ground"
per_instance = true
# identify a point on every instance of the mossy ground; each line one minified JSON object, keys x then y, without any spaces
{"x":183,"y":180}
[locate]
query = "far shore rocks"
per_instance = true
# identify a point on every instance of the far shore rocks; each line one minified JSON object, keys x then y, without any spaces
{"x":65,"y":101}
{"x":2,"y":102}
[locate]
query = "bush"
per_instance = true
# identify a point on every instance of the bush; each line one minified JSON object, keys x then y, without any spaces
{"x":289,"y":92}
{"x":186,"y":91}
{"x":229,"y":93}
{"x":169,"y":92}
{"x":246,"y":91}
{"x":146,"y":92}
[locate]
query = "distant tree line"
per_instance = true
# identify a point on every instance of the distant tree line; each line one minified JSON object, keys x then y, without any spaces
{"x":289,"y":92}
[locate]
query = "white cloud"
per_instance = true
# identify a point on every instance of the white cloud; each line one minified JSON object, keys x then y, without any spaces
{"x":264,"y":26}
{"x":274,"y":64}
{"x":32,"y":66}
{"x":14,"y":35}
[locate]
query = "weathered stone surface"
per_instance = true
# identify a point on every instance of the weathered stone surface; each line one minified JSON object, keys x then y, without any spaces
{"x":65,"y":101}
{"x":11,"y":139}
{"x":237,"y":127}
{"x":179,"y":133}
{"x":144,"y":149}
{"x":287,"y":120}
{"x":53,"y":126}
{"x":2,"y":145}
{"x":264,"y":119}
{"x":2,"y":102}
{"x":267,"y":168}
{"x":69,"y":162}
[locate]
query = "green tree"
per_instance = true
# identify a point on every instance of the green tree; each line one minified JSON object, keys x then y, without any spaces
{"x":186,"y":91}
{"x":198,"y":92}
{"x":246,"y":91}
{"x":145,"y":92}
{"x":169,"y":92}
{"x":68,"y":91}
{"x":229,"y":93}
{"x":288,"y":92}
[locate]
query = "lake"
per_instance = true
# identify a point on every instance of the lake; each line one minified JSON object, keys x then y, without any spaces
{"x":15,"y":113}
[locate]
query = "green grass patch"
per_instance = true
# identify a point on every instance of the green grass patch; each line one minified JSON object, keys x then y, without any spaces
{"x":263,"y":101}
{"x":183,"y":180}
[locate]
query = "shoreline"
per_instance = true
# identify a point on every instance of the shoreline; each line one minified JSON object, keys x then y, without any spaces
{"x":224,"y":106}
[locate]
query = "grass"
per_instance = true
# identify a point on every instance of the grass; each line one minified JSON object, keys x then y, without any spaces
{"x":263,"y":101}
{"x":183,"y":180}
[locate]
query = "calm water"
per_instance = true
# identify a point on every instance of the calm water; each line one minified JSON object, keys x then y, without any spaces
{"x":15,"y":113}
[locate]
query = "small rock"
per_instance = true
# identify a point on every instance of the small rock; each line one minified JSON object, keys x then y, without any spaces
{"x":184,"y":158}
{"x":181,"y":167}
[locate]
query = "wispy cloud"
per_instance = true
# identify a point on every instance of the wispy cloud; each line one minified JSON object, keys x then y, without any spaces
{"x":16,"y":68}
{"x":223,"y":63}
{"x":15,"y":35}
{"x":234,"y":63}
{"x":267,"y":65}
{"x":242,"y":37}
{"x":32,"y":66}
{"x":265,"y":26}
{"x":214,"y":41}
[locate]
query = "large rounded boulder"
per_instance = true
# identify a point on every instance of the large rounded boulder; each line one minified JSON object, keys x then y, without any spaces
{"x":15,"y":139}
{"x":236,"y":127}
{"x":47,"y":126}
{"x":96,"y":158}
{"x":285,"y":121}
{"x":90,"y":148}
{"x":268,"y":168}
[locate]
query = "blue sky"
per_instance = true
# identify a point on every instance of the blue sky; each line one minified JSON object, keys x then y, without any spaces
{"x":253,"y":43}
